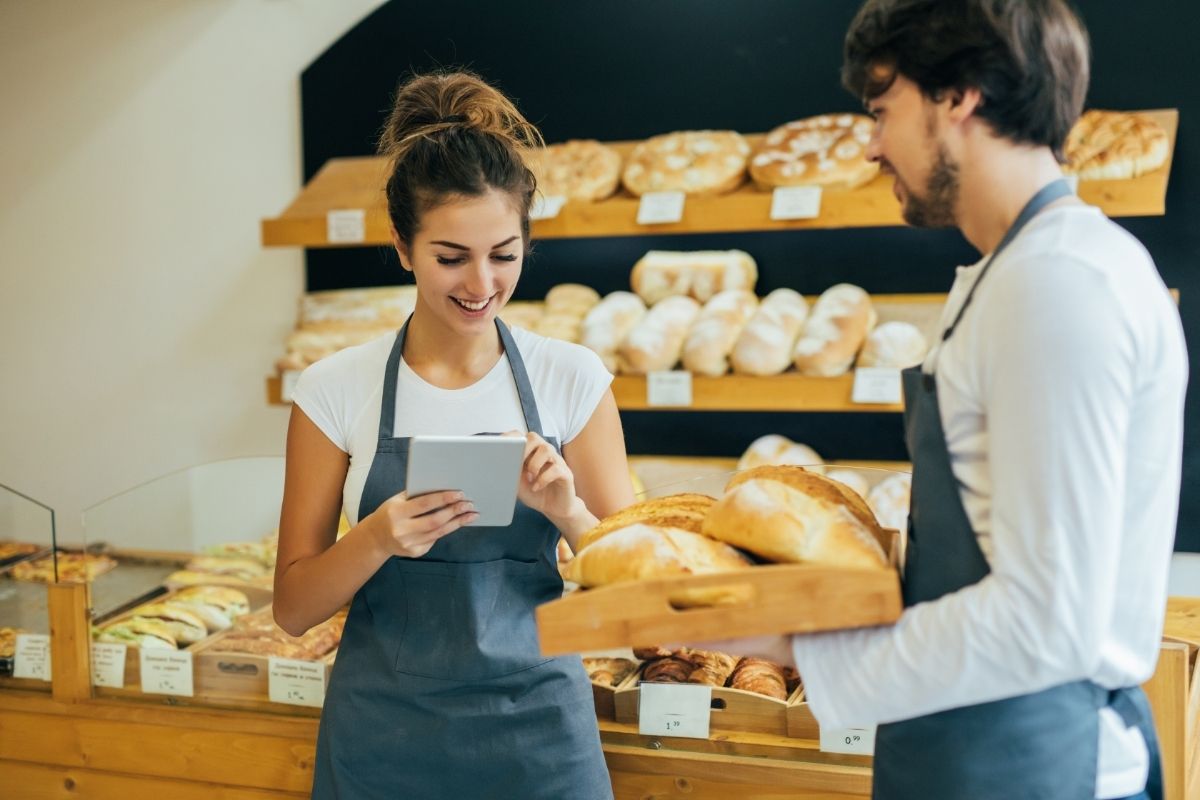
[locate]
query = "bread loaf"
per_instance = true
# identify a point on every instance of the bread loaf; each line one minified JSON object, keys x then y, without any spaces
{"x":580,"y":169}
{"x":640,"y":552}
{"x":684,"y":511}
{"x":893,"y":344}
{"x":571,"y":298}
{"x":827,"y":150}
{"x":764,"y":347}
{"x":778,"y":450}
{"x":834,"y":332}
{"x":852,"y":480}
{"x":656,"y":341}
{"x":1111,"y":145}
{"x":712,"y":336}
{"x":696,"y":162}
{"x":699,"y":274}
{"x":889,"y":500}
{"x":787,"y":514}
{"x":522,"y":314}
{"x":608,"y":323}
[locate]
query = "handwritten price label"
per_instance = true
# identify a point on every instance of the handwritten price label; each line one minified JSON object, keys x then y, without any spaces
{"x":346,"y":226}
{"x":669,"y":388}
{"x":297,"y":683}
{"x":671,"y":709}
{"x":853,"y":741}
{"x":108,"y":665}
{"x":167,"y":672}
{"x":877,"y":385}
{"x":31,"y":659}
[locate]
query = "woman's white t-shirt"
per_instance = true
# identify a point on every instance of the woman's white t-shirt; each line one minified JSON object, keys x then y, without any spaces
{"x":342,"y":395}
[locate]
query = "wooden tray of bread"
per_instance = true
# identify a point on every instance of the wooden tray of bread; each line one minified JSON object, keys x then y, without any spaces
{"x":677,"y":569}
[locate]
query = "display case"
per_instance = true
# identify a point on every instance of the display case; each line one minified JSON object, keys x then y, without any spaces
{"x":28,"y":558}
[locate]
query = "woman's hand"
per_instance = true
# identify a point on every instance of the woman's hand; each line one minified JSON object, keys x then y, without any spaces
{"x":409,"y":527}
{"x":547,"y":484}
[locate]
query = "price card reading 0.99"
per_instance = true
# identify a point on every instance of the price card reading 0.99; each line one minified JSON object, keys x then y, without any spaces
{"x":672,"y":709}
{"x":852,"y":741}
{"x":297,"y":683}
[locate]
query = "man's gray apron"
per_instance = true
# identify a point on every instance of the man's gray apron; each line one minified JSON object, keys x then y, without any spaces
{"x":439,"y":689}
{"x":1041,"y":745}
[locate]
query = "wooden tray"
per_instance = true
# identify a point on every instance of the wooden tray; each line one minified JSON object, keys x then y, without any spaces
{"x":604,"y":696}
{"x":773,"y":599}
{"x":801,"y":724}
{"x":732,"y":709}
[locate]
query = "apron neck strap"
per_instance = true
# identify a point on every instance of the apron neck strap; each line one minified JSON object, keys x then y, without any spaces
{"x":387,"y":412}
{"x":1055,"y":190}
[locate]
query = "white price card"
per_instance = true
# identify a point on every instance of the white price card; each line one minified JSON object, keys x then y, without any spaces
{"x":166,"y":672}
{"x":877,"y":385}
{"x":658,"y":208}
{"x":287,"y":384}
{"x":31,"y":659}
{"x":853,"y":741}
{"x":796,"y":202}
{"x":297,"y":683}
{"x":669,"y":388}
{"x":544,"y":207}
{"x":346,"y":226}
{"x":1073,"y":182}
{"x":674,"y":709}
{"x":108,"y":665}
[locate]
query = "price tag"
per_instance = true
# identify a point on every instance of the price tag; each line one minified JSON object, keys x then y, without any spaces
{"x":854,"y":741}
{"x":1073,"y":182}
{"x":108,"y":665}
{"x":796,"y":202}
{"x":298,"y":683}
{"x":287,"y":384}
{"x":31,"y":659}
{"x":657,"y":208}
{"x":166,"y":672}
{"x":669,"y":388}
{"x":674,"y":709}
{"x":346,"y":226}
{"x":876,"y":385}
{"x":546,"y":207}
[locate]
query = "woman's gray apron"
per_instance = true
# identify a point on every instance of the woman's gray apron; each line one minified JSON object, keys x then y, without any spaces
{"x":1041,"y":745}
{"x":439,"y":689}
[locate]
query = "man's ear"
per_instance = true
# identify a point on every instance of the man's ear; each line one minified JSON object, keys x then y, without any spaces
{"x":401,"y":250}
{"x":963,"y":102}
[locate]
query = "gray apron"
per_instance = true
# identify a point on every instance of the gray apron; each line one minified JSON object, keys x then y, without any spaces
{"x":439,"y":689}
{"x":1041,"y":745}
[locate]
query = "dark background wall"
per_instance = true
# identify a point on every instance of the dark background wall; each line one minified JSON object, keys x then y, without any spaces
{"x":628,"y":70}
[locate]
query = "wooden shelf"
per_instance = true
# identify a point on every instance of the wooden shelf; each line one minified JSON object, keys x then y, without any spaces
{"x":356,"y":183}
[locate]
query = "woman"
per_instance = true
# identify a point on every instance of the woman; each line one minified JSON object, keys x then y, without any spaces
{"x":439,"y":689}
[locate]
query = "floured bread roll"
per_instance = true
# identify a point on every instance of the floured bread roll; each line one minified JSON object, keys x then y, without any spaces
{"x":684,"y":511}
{"x":639,"y":552}
{"x":1114,"y":145}
{"x":608,"y":323}
{"x":890,"y":499}
{"x":695,"y":162}
{"x":656,"y":341}
{"x":764,"y":347}
{"x":829,"y":150}
{"x":713,"y":334}
{"x":836,"y":329}
{"x":778,"y":450}
{"x":851,"y":479}
{"x":571,"y":298}
{"x":699,"y":273}
{"x":893,"y":344}
{"x":522,"y":314}
{"x":788,"y":514}
{"x":560,"y":326}
{"x":580,"y":169}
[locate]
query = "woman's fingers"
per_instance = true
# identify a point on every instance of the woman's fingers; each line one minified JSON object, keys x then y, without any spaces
{"x":426,"y":503}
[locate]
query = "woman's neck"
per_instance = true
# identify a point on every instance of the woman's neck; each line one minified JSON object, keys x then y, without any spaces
{"x":447,"y":359}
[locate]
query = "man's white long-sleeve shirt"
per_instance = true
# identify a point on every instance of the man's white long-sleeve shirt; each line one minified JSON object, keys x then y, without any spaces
{"x":1061,"y":395}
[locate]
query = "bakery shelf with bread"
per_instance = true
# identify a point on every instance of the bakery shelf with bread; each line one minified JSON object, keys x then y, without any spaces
{"x":356,"y":183}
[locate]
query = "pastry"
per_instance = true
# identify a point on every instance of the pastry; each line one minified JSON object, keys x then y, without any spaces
{"x":893,"y":344}
{"x":608,"y":671}
{"x":9,"y":550}
{"x":8,"y":641}
{"x":698,"y":274}
{"x":711,"y":668}
{"x":839,"y":323}
{"x":1112,"y":145}
{"x":712,"y":336}
{"x":72,"y":568}
{"x":695,"y":162}
{"x":760,"y":676}
{"x":580,"y":169}
{"x":240,"y":568}
{"x":765,"y":345}
{"x":667,"y":670}
{"x":828,"y":150}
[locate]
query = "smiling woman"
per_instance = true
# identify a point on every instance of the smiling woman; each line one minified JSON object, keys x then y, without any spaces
{"x":439,"y":686}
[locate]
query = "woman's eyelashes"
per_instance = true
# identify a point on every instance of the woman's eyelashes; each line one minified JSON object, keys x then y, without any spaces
{"x":450,"y":261}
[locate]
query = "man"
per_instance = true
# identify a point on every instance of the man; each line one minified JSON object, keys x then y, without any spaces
{"x":1045,"y":431}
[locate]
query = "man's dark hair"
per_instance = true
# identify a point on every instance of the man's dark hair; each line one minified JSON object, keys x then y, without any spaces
{"x":1028,"y":58}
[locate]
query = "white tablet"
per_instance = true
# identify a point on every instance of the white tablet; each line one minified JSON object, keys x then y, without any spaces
{"x":486,"y":469}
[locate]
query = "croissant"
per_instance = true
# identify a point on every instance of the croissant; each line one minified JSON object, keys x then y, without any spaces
{"x":760,"y":676}
{"x":712,"y":668}
{"x":668,"y":670}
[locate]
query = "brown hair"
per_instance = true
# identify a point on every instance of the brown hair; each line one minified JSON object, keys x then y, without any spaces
{"x":450,"y":133}
{"x":1028,"y":58}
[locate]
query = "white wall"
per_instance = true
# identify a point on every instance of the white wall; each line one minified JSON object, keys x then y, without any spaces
{"x":141,"y":141}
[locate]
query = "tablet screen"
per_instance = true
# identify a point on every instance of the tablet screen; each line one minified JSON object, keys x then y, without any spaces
{"x":486,"y":469}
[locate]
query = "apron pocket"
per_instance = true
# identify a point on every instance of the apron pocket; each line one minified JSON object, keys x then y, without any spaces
{"x":468,"y":621}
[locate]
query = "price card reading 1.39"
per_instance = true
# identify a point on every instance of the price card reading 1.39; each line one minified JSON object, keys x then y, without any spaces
{"x":166,"y":672}
{"x":672,"y":709}
{"x":853,"y":741}
{"x":297,"y":683}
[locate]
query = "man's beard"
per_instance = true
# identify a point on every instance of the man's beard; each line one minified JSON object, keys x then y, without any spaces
{"x":936,"y":208}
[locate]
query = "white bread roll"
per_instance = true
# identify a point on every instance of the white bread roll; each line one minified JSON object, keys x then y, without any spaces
{"x":712,"y":336}
{"x":778,"y":450}
{"x":571,"y":298}
{"x":764,"y":347}
{"x":609,"y":322}
{"x":893,"y":344}
{"x":889,"y":501}
{"x":699,"y":274}
{"x":851,"y":479}
{"x":641,"y":551}
{"x":522,"y":314}
{"x":656,"y":342}
{"x":840,"y":321}
{"x":788,"y":514}
{"x":560,"y":325}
